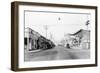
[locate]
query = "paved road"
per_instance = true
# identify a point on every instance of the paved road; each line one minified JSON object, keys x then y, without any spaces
{"x":57,"y":53}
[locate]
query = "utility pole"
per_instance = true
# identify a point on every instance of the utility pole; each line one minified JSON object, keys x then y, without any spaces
{"x":87,"y":23}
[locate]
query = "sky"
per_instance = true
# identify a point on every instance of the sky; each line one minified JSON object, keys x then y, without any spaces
{"x":57,"y":24}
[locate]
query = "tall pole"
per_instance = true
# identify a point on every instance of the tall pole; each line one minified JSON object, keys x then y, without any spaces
{"x":87,"y":23}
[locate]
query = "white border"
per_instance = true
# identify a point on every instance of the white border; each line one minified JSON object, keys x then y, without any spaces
{"x":23,"y":64}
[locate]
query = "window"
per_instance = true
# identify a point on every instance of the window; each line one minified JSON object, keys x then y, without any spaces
{"x":25,"y":41}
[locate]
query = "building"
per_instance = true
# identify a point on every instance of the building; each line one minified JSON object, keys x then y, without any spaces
{"x":80,"y":39}
{"x":34,"y":41}
{"x":30,"y":39}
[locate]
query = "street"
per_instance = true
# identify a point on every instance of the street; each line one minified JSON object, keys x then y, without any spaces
{"x":57,"y":53}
